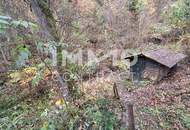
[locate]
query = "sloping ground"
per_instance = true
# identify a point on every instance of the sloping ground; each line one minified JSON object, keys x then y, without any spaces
{"x":165,"y":105}
{"x":162,"y":106}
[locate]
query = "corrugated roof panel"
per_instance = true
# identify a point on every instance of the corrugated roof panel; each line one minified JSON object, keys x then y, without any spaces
{"x":165,"y":57}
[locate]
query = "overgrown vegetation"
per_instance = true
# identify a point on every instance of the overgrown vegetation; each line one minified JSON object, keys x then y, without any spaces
{"x":180,"y":14}
{"x":39,"y":92}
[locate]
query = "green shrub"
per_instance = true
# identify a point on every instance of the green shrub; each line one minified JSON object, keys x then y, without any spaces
{"x":136,"y":5}
{"x":93,"y":115}
{"x":179,"y":13}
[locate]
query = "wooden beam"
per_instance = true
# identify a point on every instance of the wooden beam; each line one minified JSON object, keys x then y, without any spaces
{"x":131,"y":120}
{"x":115,"y":90}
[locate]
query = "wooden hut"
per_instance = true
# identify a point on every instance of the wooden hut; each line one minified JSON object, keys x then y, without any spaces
{"x":154,"y":64}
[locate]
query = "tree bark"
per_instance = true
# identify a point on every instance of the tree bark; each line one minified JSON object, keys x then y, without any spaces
{"x":45,"y":18}
{"x":48,"y":23}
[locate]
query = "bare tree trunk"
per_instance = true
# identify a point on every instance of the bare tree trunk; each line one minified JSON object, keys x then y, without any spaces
{"x":48,"y":23}
{"x":45,"y":18}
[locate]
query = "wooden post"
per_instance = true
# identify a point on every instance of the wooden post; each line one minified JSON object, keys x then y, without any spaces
{"x":116,"y":94}
{"x":131,"y":120}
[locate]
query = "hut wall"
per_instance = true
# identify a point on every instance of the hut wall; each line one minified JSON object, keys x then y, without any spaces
{"x":154,"y":71}
{"x":137,"y":69}
{"x":148,"y":69}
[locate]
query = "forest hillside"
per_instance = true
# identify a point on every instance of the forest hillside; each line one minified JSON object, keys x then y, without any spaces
{"x":94,"y":65}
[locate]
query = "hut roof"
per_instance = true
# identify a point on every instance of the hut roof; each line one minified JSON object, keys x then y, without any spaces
{"x":163,"y":56}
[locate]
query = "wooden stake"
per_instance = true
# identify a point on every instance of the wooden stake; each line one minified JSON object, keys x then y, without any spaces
{"x":131,"y":120}
{"x":116,"y":94}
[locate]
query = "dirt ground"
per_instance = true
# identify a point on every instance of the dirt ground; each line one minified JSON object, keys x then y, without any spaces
{"x":161,"y":106}
{"x":164,"y":105}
